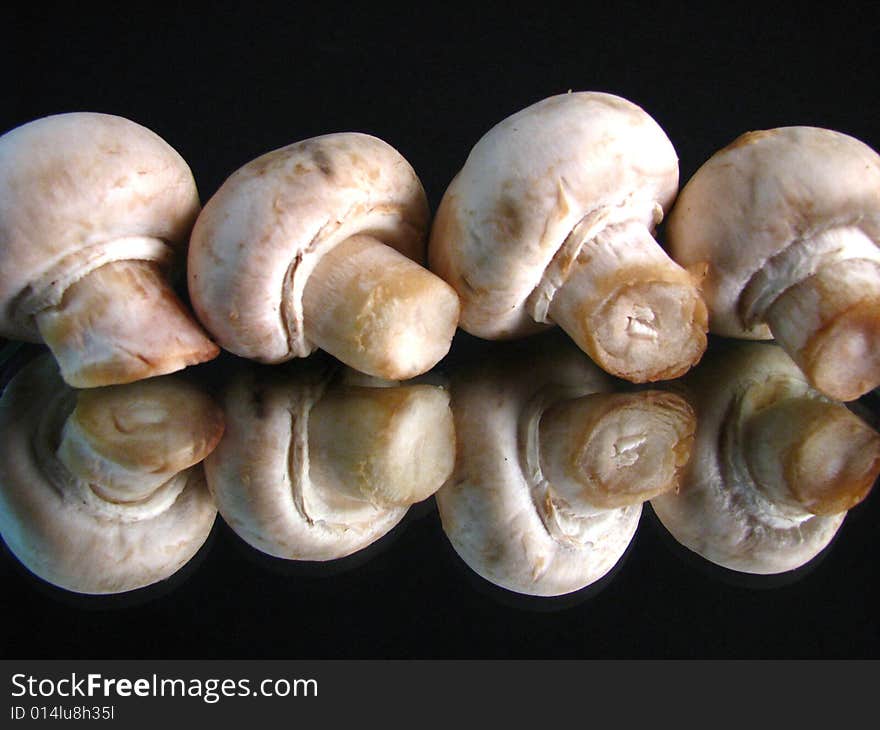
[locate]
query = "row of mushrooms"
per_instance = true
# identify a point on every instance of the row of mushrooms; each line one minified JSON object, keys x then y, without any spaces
{"x":328,"y":243}
{"x":539,"y":464}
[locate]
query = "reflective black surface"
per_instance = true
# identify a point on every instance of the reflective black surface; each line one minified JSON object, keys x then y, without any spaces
{"x":225,"y":86}
{"x":409,"y":594}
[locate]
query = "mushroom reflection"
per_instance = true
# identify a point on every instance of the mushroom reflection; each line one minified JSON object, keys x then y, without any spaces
{"x":101,"y":490}
{"x":776,"y":465}
{"x":312,"y":467}
{"x":553,"y":465}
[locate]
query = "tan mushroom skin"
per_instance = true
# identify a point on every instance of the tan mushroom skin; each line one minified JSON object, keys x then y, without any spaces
{"x":317,"y":244}
{"x":312,"y":468}
{"x":102,"y":490}
{"x":94,"y":209}
{"x":552,"y":468}
{"x":776,"y":465}
{"x":787,"y":223}
{"x":551,"y":221}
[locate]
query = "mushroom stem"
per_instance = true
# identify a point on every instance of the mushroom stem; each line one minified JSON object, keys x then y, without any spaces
{"x":829,"y":323}
{"x":378,"y":311}
{"x":125,"y":441}
{"x":812,"y":454}
{"x":120,"y":323}
{"x":610,"y":450}
{"x":386,"y":446}
{"x":630,"y":307}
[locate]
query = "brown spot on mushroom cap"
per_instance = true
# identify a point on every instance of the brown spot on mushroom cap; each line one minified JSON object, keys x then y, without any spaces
{"x":323,"y":162}
{"x":507,"y":218}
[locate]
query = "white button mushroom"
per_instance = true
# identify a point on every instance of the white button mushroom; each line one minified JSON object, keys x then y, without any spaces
{"x":101,"y":490}
{"x":315,"y":245}
{"x":788,"y":222}
{"x":550,"y":221}
{"x":775,"y":465}
{"x":553,"y":466}
{"x":310,"y":468}
{"x":93,"y":207}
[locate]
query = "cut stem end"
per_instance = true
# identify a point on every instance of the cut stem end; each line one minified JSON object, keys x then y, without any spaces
{"x":377,"y":311}
{"x":631,"y":308}
{"x":612,"y":450}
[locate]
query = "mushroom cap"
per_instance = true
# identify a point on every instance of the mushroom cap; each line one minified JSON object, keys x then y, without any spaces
{"x":524,"y":187}
{"x":68,"y":540}
{"x":77,"y":191}
{"x":261,"y":234}
{"x":767,"y":194}
{"x":494,"y":507}
{"x":259,"y":473}
{"x":717,"y":512}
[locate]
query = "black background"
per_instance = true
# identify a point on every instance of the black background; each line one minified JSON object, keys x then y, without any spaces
{"x":223,"y":83}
